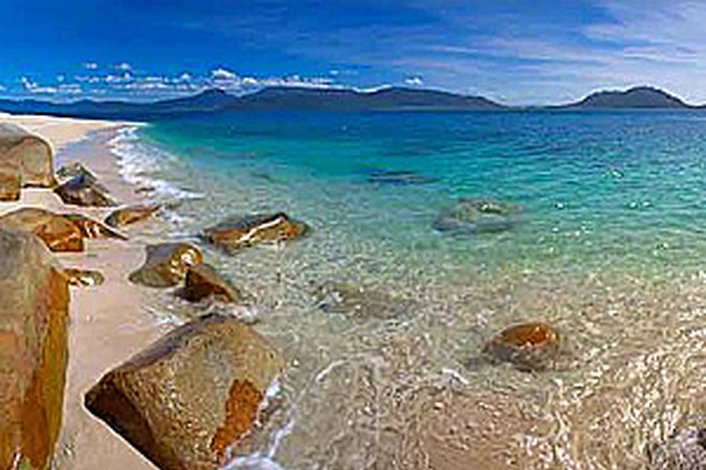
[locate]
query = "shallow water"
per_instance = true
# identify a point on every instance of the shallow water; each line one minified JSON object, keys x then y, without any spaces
{"x":608,"y":249}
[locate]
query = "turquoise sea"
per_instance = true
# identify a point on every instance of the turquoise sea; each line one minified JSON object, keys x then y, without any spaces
{"x":608,"y":245}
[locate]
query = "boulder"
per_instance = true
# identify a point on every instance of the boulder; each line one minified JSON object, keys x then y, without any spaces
{"x":189,"y":399}
{"x":84,"y":277}
{"x":360,"y":302}
{"x":166,"y":264}
{"x":130,"y":215}
{"x":478,"y":216}
{"x":684,"y":450}
{"x":72,"y":170}
{"x":202,"y":281}
{"x":34,"y":303}
{"x":31,"y":155}
{"x":84,"y":191}
{"x":58,"y":233}
{"x":529,"y":346}
{"x":10,"y":182}
{"x":92,"y":228}
{"x":399,"y":178}
{"x":236,"y":233}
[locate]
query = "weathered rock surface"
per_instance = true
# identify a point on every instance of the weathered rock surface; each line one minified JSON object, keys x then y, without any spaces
{"x":236,"y":233}
{"x":202,"y":281}
{"x":529,"y":346}
{"x":92,"y":228}
{"x":84,"y":191}
{"x":10,"y":182}
{"x":57,"y":232}
{"x":166,"y":264}
{"x":188,"y":399}
{"x":84,"y":277}
{"x":685,"y":450}
{"x":72,"y":170}
{"x":478,"y":216}
{"x":360,"y":302}
{"x":28,"y":154}
{"x":34,"y":301}
{"x":130,"y":215}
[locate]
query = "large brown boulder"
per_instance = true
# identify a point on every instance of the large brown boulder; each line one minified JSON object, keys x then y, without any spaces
{"x":191,"y":397}
{"x":239,"y":232}
{"x":529,"y":346}
{"x":92,"y":228}
{"x":132,"y":214}
{"x":58,"y":233}
{"x":28,"y":154}
{"x":83,"y":190}
{"x":202,"y":281}
{"x":34,"y":301}
{"x":166,"y":264}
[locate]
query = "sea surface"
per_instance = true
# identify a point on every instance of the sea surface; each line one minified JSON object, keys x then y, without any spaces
{"x":608,"y":245}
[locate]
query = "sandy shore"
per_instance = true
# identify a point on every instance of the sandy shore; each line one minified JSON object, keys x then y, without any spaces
{"x":108,"y":323}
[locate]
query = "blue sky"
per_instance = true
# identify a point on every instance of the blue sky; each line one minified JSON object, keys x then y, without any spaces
{"x":518,"y":52}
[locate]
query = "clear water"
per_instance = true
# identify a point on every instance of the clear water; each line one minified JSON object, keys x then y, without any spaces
{"x":609,"y":249}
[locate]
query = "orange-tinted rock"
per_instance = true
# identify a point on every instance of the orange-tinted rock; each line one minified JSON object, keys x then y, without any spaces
{"x":10,"y":183}
{"x":83,"y":277}
{"x":34,"y":302}
{"x":240,"y":232}
{"x":92,"y":228}
{"x":84,"y":191}
{"x":530,"y":346}
{"x":189,"y":399}
{"x":166,"y":264}
{"x":203,"y":281}
{"x":57,"y":232}
{"x":28,"y":153}
{"x":130,"y":215}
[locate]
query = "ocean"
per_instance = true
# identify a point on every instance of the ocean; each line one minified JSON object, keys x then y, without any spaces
{"x":605,"y":242}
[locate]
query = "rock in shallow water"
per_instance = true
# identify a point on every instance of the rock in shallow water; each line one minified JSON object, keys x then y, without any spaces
{"x":360,"y":302}
{"x":166,"y":264}
{"x":529,"y":346}
{"x":191,"y":397}
{"x":132,"y":214}
{"x":202,"y":281}
{"x":399,"y":178}
{"x":236,"y":233}
{"x":478,"y":216}
{"x":34,"y":301}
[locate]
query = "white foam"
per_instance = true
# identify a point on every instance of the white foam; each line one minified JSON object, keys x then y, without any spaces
{"x":138,"y":162}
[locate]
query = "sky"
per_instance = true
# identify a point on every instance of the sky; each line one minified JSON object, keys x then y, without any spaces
{"x":516,"y":52}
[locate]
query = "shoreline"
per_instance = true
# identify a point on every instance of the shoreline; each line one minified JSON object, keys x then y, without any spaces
{"x":107,"y":324}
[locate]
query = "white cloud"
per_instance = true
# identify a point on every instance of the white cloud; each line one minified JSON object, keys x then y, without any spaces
{"x":223,"y":74}
{"x":32,"y":87}
{"x":414,"y":81}
{"x":123,"y":66}
{"x":184,"y":77}
{"x":90,"y":65}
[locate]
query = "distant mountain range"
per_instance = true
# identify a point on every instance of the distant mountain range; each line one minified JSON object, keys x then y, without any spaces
{"x":289,"y":98}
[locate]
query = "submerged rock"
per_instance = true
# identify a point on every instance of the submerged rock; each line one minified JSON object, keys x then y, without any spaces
{"x":84,"y":277}
{"x":478,"y":216}
{"x":34,"y":302}
{"x":26,"y":153}
{"x":192,"y":396}
{"x":399,"y":178}
{"x":240,"y":232}
{"x":684,"y":450}
{"x":202,"y":281}
{"x":166,"y":264}
{"x":83,"y":190}
{"x":132,"y":214}
{"x":58,"y":233}
{"x":529,"y":346}
{"x":357,"y":301}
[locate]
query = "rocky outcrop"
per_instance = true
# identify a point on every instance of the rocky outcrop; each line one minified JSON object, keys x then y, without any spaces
{"x":72,"y":170}
{"x":34,"y":301}
{"x":84,"y":277}
{"x":60,"y":232}
{"x":190,"y":398}
{"x":529,"y":346}
{"x":202,"y":281}
{"x":236,"y":233}
{"x":132,"y":214}
{"x":478,"y":216}
{"x":26,"y":155}
{"x":83,"y":190}
{"x":684,"y":450}
{"x":166,"y":264}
